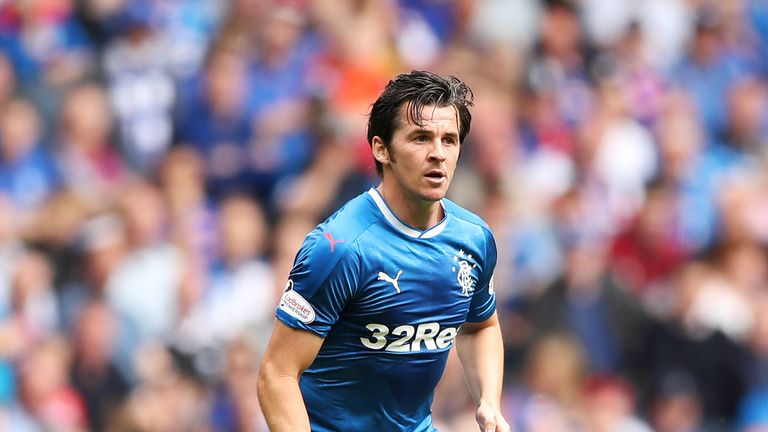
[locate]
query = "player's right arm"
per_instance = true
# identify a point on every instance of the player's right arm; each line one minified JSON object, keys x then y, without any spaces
{"x":321,"y":282}
{"x":289,"y":352}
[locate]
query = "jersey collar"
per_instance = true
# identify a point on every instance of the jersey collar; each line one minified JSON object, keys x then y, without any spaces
{"x":402,"y":227}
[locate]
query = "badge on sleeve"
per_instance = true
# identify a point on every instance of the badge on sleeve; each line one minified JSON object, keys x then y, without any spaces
{"x":295,"y":305}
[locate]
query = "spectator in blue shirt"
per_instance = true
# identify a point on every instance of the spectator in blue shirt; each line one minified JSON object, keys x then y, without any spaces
{"x":27,"y":171}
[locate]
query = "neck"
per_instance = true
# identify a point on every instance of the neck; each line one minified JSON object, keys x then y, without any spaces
{"x":418,"y":213}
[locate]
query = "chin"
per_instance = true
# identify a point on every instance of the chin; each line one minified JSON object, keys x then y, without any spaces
{"x":433,"y":195}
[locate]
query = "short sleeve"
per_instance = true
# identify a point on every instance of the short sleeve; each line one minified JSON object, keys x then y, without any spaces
{"x":320,"y":284}
{"x":483,"y":302}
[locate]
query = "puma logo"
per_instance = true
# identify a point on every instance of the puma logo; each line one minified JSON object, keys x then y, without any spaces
{"x":332,"y":241}
{"x":385,"y":277}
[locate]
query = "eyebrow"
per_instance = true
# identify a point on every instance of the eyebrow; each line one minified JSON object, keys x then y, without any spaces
{"x":430,"y":132}
{"x":421,"y":131}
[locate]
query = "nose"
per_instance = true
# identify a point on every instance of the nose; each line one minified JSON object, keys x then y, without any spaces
{"x":437,"y":151}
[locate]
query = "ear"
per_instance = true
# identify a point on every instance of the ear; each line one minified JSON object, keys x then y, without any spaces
{"x":380,"y":151}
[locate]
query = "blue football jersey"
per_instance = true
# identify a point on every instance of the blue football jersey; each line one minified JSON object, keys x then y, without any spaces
{"x":389,"y":300}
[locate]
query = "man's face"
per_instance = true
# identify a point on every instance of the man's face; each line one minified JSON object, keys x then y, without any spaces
{"x":421,"y":159}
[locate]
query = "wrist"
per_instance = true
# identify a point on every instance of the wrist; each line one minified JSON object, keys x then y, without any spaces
{"x":490,"y":402}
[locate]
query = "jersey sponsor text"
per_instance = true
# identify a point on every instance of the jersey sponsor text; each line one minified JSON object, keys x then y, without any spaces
{"x":410,"y":338}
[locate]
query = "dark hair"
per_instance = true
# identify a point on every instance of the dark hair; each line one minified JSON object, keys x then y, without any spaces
{"x":417,"y":89}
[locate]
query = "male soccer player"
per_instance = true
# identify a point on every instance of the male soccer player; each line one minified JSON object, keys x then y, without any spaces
{"x":381,"y":290}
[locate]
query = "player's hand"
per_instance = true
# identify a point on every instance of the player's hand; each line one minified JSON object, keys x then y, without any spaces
{"x":489,"y":419}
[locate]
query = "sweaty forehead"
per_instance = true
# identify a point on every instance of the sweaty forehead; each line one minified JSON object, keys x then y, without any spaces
{"x":429,"y":114}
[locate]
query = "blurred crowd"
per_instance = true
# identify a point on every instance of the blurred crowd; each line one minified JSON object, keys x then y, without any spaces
{"x":162,"y":160}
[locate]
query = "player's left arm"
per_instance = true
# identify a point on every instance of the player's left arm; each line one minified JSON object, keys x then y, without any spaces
{"x":481,"y":353}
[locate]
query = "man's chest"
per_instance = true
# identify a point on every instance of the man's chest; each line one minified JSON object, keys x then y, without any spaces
{"x":409,"y":284}
{"x":410,"y":297}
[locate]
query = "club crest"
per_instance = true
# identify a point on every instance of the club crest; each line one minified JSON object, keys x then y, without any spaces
{"x":463,"y":270}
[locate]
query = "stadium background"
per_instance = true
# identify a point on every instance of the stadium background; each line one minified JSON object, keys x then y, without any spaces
{"x":161,"y":161}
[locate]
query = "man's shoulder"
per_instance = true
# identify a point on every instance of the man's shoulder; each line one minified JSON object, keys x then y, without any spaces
{"x":464,"y":215}
{"x":352,"y":219}
{"x":332,"y":238}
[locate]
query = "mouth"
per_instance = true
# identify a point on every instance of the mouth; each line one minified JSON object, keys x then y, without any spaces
{"x":435,"y":176}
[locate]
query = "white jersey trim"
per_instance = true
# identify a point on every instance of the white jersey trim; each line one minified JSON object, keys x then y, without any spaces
{"x":400,"y":226}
